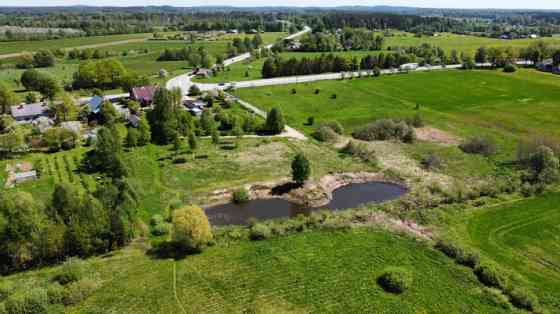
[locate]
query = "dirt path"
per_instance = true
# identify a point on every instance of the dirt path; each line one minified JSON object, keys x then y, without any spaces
{"x":108,"y":44}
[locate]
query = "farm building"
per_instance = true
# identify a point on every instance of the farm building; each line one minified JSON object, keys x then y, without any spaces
{"x":144,"y":94}
{"x":409,"y":66}
{"x":29,"y":112}
{"x":548,"y":66}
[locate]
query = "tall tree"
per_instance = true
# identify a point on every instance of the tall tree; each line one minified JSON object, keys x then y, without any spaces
{"x":7,"y":98}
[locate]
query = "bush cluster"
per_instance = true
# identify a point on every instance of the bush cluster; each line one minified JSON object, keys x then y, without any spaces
{"x":386,"y":129}
{"x":361,"y":151}
{"x":328,"y":131}
{"x":395,"y":279}
{"x":509,"y":68}
{"x":431,"y":162}
{"x":479,"y":145}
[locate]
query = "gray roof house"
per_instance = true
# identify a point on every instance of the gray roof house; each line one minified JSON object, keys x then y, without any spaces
{"x":28,"y":112}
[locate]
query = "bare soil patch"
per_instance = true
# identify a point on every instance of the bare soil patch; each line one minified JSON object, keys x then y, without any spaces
{"x":430,"y":134}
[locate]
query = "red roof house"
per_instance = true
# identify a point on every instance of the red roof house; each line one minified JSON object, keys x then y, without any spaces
{"x":143,"y":94}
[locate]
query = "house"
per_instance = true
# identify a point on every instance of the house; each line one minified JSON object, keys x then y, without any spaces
{"x":232,"y":31}
{"x":29,"y":112}
{"x":25,"y":176}
{"x":202,"y":72}
{"x":143,"y":94}
{"x":294,"y":45}
{"x":533,"y":36}
{"x":505,"y":36}
{"x":95,"y":103}
{"x":253,"y":31}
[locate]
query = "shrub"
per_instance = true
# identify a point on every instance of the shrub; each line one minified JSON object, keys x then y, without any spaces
{"x":275,"y":122}
{"x":317,"y":91}
{"x":160,"y":229}
{"x":78,"y":291}
{"x":431,"y":162}
{"x":386,"y":129}
{"x":301,"y":169}
{"x":448,"y":248}
{"x":509,"y":68}
{"x":491,"y":276}
{"x":310,"y":120}
{"x":191,"y":229}
{"x":72,"y":270}
{"x":335,"y":126}
{"x":241,"y":196}
{"x":324,"y":134}
{"x":360,"y":150}
{"x":259,"y":231}
{"x":523,"y":299}
{"x":156,"y":220}
{"x":497,"y":298}
{"x":415,"y":121}
{"x":395,"y":279}
{"x":333,"y":96}
{"x":55,"y":293}
{"x":468,"y":258}
{"x":479,"y":145}
{"x":33,"y":301}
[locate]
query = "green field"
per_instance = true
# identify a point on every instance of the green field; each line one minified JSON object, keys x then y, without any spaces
{"x":317,"y":271}
{"x":463,"y":102}
{"x":29,"y":46}
{"x":461,"y":43}
{"x":524,"y":236}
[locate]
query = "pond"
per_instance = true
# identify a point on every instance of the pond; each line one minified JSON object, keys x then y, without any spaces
{"x":349,"y":196}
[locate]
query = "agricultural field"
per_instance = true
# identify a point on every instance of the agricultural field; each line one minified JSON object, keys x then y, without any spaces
{"x":465,"y":103}
{"x":523,"y":236}
{"x":30,"y":46}
{"x":315,"y":271}
{"x":462,"y":43}
{"x":61,"y":167}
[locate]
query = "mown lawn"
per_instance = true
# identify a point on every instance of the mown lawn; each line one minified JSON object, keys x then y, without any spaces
{"x":524,"y":236}
{"x":317,"y":272}
{"x":506,"y":106}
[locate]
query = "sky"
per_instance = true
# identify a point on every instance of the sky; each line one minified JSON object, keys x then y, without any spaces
{"x":507,"y":4}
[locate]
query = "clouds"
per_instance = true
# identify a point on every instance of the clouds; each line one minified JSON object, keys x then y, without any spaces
{"x":534,"y":4}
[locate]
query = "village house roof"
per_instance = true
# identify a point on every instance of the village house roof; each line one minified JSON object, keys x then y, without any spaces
{"x":24,"y":176}
{"x":144,"y":93}
{"x":29,"y":110}
{"x":95,"y":104}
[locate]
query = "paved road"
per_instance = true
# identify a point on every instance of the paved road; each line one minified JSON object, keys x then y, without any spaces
{"x":184,"y":81}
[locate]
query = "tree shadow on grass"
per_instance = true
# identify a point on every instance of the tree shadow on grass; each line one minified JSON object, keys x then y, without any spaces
{"x":170,"y":249}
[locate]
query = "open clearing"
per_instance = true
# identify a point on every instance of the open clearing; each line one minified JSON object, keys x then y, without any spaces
{"x":524,"y":236}
{"x":464,"y":103}
{"x":316,"y":272}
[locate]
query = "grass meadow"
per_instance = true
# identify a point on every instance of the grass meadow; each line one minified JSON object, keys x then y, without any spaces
{"x":466,"y":103}
{"x":523,"y":236}
{"x":315,"y":271}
